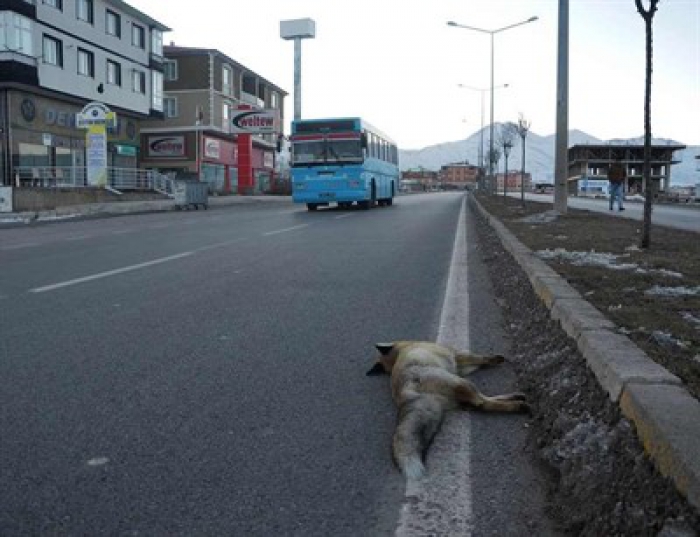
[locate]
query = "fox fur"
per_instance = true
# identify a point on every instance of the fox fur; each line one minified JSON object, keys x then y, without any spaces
{"x":427,"y":380}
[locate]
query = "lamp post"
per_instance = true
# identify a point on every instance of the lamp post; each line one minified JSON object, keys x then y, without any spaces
{"x":481,"y":131}
{"x":507,"y":146}
{"x":491,"y":33}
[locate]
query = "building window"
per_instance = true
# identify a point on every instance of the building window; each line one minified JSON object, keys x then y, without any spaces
{"x":170,"y":107}
{"x":227,"y":80}
{"x":85,"y":11}
{"x":114,"y":73}
{"x":58,"y":4}
{"x":52,"y":51}
{"x":157,"y":90}
{"x":226,"y":116}
{"x":170,"y":69}
{"x":15,"y":33}
{"x":138,"y":36}
{"x":86,"y":63}
{"x":138,"y":81}
{"x":275,"y":100}
{"x":157,"y":42}
{"x":113,"y":23}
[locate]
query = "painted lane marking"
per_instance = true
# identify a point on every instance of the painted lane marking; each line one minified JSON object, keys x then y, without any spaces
{"x":77,"y":237}
{"x":285,"y":230}
{"x":342,"y":216}
{"x":447,"y":484}
{"x":21,"y":245}
{"x":109,"y":273}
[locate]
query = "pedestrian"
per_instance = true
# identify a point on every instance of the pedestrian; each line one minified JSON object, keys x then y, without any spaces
{"x":617,"y":175}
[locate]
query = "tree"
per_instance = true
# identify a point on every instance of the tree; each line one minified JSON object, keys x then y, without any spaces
{"x":648,"y":16}
{"x":505,"y":138}
{"x":523,"y":127}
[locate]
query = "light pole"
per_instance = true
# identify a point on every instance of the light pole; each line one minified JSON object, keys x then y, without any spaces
{"x":481,"y":131}
{"x":491,"y":33}
{"x":297,"y":30}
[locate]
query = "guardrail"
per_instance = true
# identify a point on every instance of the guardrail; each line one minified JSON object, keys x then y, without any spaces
{"x":76,"y":177}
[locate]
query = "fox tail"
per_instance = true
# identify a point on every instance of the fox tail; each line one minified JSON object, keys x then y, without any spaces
{"x":419,"y":420}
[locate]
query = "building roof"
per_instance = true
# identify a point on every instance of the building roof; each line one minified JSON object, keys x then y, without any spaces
{"x":173,"y":50}
{"x":130,"y":10}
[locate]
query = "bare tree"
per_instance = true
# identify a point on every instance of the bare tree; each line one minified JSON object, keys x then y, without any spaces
{"x":506,"y":135}
{"x":522,"y":128}
{"x":494,"y":156}
{"x":648,"y":16}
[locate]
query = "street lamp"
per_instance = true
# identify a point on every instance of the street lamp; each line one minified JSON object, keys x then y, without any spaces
{"x":491,"y":33}
{"x":481,"y":131}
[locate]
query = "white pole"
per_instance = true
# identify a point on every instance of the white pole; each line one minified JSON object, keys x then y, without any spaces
{"x":297,"y":78}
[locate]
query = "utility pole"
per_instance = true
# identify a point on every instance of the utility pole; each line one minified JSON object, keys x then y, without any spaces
{"x":297,"y":30}
{"x":561,"y":159}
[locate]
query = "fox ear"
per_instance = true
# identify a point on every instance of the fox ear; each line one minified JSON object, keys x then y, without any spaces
{"x":377,"y":369}
{"x":384,"y":348}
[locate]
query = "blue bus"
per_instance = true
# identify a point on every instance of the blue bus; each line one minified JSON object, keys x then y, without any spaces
{"x":342,"y":161}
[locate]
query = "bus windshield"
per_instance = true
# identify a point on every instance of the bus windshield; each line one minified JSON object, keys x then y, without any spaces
{"x":326,"y":151}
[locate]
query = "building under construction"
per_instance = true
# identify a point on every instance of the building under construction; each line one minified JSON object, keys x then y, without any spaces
{"x":589,"y":164}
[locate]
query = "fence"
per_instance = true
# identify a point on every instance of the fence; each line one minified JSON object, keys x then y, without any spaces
{"x":131,"y":179}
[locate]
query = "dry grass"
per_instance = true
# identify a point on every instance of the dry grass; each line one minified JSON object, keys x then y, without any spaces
{"x":667,"y":325}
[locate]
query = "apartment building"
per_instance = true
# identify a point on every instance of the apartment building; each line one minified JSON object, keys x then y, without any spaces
{"x":203,"y":88}
{"x":58,"y":55}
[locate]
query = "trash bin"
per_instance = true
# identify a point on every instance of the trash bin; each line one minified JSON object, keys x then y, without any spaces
{"x":191,"y":194}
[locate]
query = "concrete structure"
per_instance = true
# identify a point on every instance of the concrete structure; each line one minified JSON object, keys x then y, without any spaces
{"x":513,"y":180}
{"x":591,"y":162}
{"x":459,"y":175}
{"x":58,"y":55}
{"x":202,"y":88}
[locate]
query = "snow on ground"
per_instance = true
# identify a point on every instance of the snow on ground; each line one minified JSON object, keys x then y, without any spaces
{"x":601,"y":259}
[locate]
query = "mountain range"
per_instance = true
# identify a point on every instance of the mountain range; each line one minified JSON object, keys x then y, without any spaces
{"x":539,"y":155}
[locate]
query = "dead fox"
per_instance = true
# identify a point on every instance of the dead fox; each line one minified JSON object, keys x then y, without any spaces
{"x":426,"y":381}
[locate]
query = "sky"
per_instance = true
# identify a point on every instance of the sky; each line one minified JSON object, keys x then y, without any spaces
{"x":399,"y":65}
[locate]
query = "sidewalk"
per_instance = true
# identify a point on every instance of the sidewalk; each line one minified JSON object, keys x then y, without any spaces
{"x":124,"y":207}
{"x":665,"y":414}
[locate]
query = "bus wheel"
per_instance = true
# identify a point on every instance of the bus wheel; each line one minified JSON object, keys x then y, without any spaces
{"x":311,"y":206}
{"x":389,"y":202}
{"x":364,"y":204}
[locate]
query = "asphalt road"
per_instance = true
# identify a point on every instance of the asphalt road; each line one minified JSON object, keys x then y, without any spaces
{"x":678,"y":216}
{"x":202,"y":373}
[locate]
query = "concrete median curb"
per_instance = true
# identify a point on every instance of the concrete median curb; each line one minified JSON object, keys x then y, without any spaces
{"x":666,"y":416}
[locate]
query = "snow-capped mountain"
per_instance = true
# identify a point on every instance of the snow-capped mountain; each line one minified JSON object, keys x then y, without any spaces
{"x":539,"y":155}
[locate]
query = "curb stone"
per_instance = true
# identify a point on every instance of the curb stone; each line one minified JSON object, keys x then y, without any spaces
{"x":665,"y":415}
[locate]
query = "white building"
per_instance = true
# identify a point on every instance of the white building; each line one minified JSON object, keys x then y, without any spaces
{"x":58,"y":55}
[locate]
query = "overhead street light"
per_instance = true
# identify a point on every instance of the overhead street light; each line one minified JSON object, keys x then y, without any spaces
{"x":481,"y":131}
{"x":491,"y":33}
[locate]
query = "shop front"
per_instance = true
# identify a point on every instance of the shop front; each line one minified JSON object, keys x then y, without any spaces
{"x":44,"y":141}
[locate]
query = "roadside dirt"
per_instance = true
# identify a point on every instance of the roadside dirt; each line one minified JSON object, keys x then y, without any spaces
{"x":602,"y":484}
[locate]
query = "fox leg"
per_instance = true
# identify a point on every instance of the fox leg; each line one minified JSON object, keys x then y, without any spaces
{"x":467,"y":393}
{"x":468,"y":362}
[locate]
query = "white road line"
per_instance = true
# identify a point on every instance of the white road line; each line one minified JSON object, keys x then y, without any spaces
{"x":20,"y":246}
{"x":342,"y":216}
{"x":77,"y":237}
{"x":447,"y":481}
{"x":285,"y":230}
{"x":109,"y":273}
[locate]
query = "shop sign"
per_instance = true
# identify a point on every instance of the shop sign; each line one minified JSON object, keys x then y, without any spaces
{"x":212,"y":148}
{"x":96,"y":117}
{"x":166,"y":146}
{"x":268,"y":160}
{"x":255,"y":121}
{"x":126,"y":150}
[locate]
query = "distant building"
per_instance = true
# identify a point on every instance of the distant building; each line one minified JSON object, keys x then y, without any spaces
{"x":57,"y":56}
{"x":513,"y":180}
{"x":589,"y":164}
{"x":202,"y":89}
{"x":459,"y":175}
{"x":419,"y":180}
